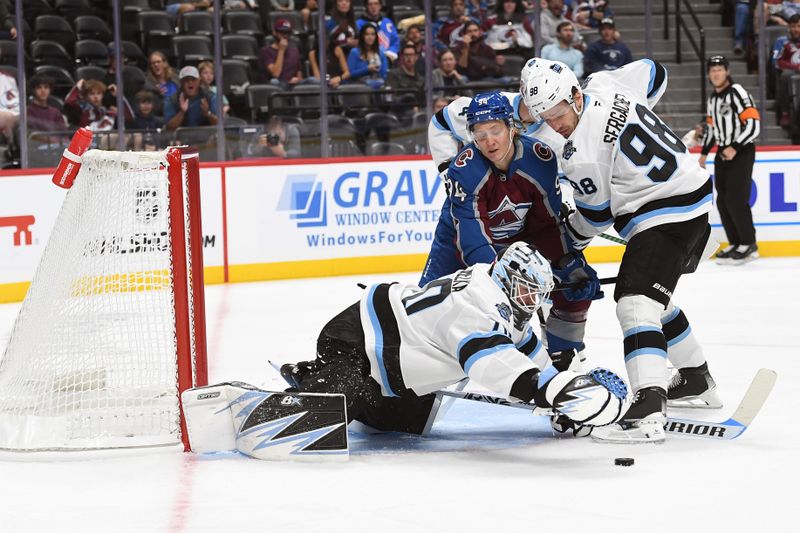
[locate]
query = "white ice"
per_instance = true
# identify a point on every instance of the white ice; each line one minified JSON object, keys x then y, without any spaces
{"x":487,"y":468}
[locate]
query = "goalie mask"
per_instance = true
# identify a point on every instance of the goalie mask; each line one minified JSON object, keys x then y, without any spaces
{"x":525,"y":276}
{"x":544,"y":83}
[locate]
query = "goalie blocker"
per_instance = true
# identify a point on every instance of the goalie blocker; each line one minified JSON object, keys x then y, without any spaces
{"x":236,"y":416}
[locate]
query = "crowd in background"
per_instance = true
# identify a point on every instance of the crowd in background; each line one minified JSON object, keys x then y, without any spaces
{"x":371,"y":44}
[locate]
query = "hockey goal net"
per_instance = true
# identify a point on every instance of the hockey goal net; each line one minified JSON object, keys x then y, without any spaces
{"x":112,"y":328}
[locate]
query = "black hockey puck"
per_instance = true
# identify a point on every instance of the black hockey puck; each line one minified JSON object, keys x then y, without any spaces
{"x":623,"y":461}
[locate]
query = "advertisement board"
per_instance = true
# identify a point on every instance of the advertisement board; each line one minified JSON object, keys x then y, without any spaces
{"x":288,"y":219}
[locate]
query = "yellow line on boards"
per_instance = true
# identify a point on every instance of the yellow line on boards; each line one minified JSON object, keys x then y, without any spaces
{"x":15,"y":292}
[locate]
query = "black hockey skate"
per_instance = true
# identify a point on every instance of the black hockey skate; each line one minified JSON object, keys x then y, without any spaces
{"x":643,"y":422}
{"x":693,"y":388}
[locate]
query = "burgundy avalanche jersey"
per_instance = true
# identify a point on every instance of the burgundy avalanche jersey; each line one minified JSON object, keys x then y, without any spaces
{"x":486,"y":208}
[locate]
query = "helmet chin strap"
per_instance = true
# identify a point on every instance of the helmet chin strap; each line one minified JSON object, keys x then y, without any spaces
{"x":510,"y":142}
{"x":574,"y":103}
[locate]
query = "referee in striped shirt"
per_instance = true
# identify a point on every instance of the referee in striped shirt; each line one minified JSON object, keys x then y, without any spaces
{"x":733,"y":124}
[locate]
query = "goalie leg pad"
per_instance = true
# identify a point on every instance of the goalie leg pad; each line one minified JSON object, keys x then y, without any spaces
{"x":267,"y":425}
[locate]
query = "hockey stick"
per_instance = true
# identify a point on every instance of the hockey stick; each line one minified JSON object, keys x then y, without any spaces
{"x":573,"y":284}
{"x":611,"y":238}
{"x":748,"y":408}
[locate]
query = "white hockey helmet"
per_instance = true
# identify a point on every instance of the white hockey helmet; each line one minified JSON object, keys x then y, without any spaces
{"x":524,"y":275}
{"x":544,"y":83}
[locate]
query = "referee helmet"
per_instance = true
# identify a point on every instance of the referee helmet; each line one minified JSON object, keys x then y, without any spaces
{"x":717,"y":61}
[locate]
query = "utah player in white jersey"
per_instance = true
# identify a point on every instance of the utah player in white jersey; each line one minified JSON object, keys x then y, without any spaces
{"x":629,"y":169}
{"x":391,"y":351}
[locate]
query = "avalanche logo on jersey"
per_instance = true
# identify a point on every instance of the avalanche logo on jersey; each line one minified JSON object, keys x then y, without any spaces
{"x":508,"y":219}
{"x":542,"y":151}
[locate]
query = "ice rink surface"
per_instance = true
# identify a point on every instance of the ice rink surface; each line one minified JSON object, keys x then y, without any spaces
{"x":485,"y":468}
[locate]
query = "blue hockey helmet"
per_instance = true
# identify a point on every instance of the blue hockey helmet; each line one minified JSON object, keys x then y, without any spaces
{"x":524,"y":275}
{"x":489,"y":106}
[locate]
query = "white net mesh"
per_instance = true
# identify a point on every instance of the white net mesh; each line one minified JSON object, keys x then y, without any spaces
{"x":91,"y":362}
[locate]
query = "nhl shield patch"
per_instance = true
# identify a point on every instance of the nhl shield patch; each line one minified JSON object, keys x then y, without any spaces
{"x":569,"y":149}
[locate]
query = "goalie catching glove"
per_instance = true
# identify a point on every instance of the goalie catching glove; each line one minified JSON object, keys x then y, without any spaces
{"x":593,"y":399}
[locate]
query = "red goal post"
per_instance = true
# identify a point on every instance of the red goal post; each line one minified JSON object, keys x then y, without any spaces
{"x":112,"y":329}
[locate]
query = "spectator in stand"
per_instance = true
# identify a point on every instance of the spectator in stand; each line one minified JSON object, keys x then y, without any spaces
{"x":146,"y":121}
{"x":563,"y":51}
{"x":388,"y":37}
{"x":551,"y":18}
{"x":591,"y":13}
{"x":405,"y":76}
{"x":278,"y":140}
{"x":7,"y":26}
{"x":477,"y":9}
{"x":476,"y":59}
{"x":415,"y":37}
{"x":447,"y":29}
{"x":206,"y":70}
{"x":510,"y":28}
{"x":176,"y":8}
{"x":41,"y":115}
{"x":283,"y":5}
{"x":307,"y":12}
{"x":9,"y":104}
{"x":341,"y":25}
{"x":144,"y":117}
{"x":281,"y":59}
{"x":336,"y":68}
{"x":191,"y":105}
{"x":741,"y":26}
{"x":87,"y":97}
{"x":446,"y":75}
{"x":161,"y":75}
{"x":774,"y":10}
{"x":608,"y":53}
{"x":788,"y":64}
{"x":367,"y":62}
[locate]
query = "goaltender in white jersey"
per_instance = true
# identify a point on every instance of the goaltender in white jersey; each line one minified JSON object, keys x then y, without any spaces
{"x":627,"y":168}
{"x":389,"y":352}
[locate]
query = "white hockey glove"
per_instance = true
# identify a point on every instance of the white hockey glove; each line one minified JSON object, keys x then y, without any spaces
{"x":593,"y":399}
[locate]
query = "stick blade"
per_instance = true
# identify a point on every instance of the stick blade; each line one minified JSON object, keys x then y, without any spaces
{"x":756,"y":395}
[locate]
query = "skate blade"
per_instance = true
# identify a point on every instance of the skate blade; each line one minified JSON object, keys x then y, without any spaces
{"x":748,"y":259}
{"x":707,"y":400}
{"x":647,"y":433}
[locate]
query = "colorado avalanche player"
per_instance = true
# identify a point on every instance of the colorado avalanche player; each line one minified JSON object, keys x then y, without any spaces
{"x":501,"y":188}
{"x":448,"y":131}
{"x":391,"y":351}
{"x":629,"y":169}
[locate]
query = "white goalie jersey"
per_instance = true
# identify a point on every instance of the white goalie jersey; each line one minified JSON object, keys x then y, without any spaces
{"x":625,"y":165}
{"x":461,"y":325}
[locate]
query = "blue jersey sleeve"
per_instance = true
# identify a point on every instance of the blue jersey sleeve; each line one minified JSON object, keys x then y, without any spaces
{"x":467,"y":175}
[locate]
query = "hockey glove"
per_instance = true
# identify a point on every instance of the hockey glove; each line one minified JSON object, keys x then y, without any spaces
{"x":593,"y":399}
{"x":573,"y":268}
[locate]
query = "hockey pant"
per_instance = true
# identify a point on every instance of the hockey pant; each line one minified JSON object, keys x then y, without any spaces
{"x":342,"y":367}
{"x":654,"y":329}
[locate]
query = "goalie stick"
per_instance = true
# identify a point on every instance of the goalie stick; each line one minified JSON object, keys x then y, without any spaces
{"x":751,"y":403}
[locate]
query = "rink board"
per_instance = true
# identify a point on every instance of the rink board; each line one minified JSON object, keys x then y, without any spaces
{"x":270,"y":219}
